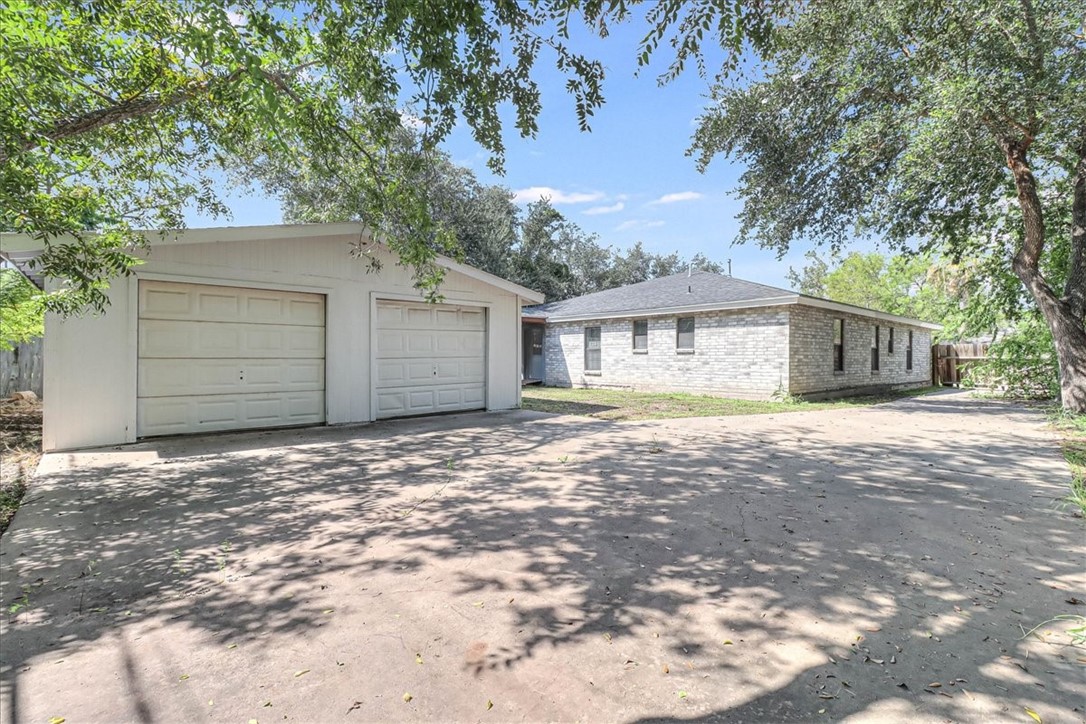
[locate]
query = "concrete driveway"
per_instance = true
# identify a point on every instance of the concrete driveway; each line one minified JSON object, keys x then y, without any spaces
{"x":868,"y":564}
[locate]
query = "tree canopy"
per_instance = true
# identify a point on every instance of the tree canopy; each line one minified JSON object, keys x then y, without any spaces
{"x":23,"y":317}
{"x":957,"y":125}
{"x":115,"y":115}
{"x":479,"y":223}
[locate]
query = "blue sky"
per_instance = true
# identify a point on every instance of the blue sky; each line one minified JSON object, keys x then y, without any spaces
{"x":628,"y":180}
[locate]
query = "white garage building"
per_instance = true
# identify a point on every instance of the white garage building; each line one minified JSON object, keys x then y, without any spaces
{"x":252,"y":327}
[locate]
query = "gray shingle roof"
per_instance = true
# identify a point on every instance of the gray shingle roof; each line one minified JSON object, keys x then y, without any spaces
{"x":700,"y":289}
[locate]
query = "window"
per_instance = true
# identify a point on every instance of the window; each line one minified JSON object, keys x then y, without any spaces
{"x":875,"y":350}
{"x":909,"y":353}
{"x":592,"y":352}
{"x":890,"y":341}
{"x":838,"y":345}
{"x":684,"y":334}
{"x":641,"y":335}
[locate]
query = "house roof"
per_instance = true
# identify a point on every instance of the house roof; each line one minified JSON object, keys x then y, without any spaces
{"x":679,"y":291}
{"x":699,"y":291}
{"x":24,"y":247}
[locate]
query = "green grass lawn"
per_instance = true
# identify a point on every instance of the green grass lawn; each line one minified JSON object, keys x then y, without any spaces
{"x":627,"y":405}
{"x":1072,"y":432}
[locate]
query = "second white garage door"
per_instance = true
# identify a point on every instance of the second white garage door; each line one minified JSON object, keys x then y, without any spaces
{"x":429,"y":358}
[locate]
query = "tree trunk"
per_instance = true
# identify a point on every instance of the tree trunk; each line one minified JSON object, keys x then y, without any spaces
{"x":1064,"y":319}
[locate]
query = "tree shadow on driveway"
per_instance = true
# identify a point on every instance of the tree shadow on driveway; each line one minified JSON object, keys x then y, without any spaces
{"x":765,"y":568}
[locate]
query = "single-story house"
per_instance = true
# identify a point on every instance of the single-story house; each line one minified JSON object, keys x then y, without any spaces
{"x":270,"y":326}
{"x":709,"y":333}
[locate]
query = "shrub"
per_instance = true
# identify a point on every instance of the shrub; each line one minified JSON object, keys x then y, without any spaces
{"x":1021,"y":365}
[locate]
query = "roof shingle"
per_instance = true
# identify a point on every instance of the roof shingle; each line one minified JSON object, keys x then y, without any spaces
{"x":697,"y":289}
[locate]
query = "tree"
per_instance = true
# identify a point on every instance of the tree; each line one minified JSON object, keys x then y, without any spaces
{"x":916,"y":119}
{"x":23,"y":317}
{"x":811,"y":279}
{"x":115,"y":115}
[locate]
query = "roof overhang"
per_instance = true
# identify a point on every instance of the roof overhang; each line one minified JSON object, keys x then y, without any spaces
{"x":744,"y":304}
{"x":864,"y":312}
{"x":26,"y":246}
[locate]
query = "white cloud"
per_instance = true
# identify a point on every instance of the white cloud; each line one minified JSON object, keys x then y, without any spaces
{"x":236,"y":19}
{"x":639,"y":224}
{"x":410,"y":120}
{"x":557,"y":196}
{"x":597,"y":210}
{"x":677,"y":197}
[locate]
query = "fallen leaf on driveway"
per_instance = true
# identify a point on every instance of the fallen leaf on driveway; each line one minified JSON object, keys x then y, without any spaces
{"x":183,"y":677}
{"x":666,"y":669}
{"x":407,"y":697}
{"x":356,"y":705}
{"x":728,"y":642}
{"x":1033,"y":714}
{"x":418,"y":658}
{"x":56,"y":720}
{"x":303,"y":672}
{"x":682,"y":694}
{"x":489,"y":705}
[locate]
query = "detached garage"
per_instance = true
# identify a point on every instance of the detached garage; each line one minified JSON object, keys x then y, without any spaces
{"x":259,"y":327}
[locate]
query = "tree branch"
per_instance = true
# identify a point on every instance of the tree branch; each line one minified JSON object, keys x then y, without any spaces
{"x":119,"y":112}
{"x":139,"y":106}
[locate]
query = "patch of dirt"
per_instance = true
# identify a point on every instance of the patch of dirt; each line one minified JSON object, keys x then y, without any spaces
{"x":20,"y":451}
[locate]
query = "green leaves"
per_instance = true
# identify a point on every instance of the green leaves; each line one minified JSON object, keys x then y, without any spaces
{"x":118,"y":115}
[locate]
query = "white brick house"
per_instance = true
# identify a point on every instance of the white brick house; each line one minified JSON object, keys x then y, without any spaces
{"x":708,"y":333}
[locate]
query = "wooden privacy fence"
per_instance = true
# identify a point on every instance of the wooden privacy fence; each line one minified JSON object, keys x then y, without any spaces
{"x":950,"y":361}
{"x":21,"y":369}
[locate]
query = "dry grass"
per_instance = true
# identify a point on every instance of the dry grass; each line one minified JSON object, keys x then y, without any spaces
{"x":628,"y":405}
{"x":20,"y":450}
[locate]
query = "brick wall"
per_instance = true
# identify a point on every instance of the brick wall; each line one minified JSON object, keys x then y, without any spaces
{"x":742,"y":353}
{"x":811,"y":352}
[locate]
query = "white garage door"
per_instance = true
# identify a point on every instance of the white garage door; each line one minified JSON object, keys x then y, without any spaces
{"x":429,"y":358}
{"x":225,"y":358}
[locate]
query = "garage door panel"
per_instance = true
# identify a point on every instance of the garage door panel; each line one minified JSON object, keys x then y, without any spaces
{"x":419,"y":344}
{"x":430,"y":358}
{"x":170,"y":301}
{"x":218,"y":358}
{"x":391,"y":403}
{"x":473,"y":319}
{"x":302,"y":311}
{"x":419,"y":318}
{"x":174,"y":338}
{"x":212,"y":303}
{"x":217,"y":306}
{"x":179,"y":415}
{"x":173,"y":377}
